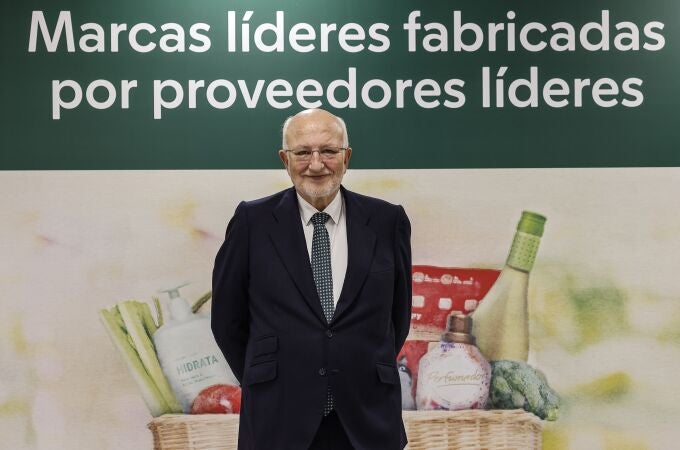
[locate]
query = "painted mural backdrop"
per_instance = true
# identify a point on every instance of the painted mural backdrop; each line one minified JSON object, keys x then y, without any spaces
{"x":604,"y":296}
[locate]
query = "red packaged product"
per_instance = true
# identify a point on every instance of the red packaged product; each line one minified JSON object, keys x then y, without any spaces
{"x":437,"y":292}
{"x":218,"y":399}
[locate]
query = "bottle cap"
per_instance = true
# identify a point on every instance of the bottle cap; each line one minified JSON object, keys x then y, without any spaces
{"x":179,"y":308}
{"x":459,"y":329}
{"x":531,"y":223}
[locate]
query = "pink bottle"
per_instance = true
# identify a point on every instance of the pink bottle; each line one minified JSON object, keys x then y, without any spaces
{"x":454,"y":375}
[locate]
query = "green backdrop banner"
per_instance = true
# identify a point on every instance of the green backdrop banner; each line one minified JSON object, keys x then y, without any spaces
{"x":422,"y":84}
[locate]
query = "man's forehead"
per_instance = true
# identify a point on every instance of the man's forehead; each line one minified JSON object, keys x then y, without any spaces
{"x":327,"y":126}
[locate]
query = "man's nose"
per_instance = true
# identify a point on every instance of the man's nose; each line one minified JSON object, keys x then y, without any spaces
{"x":316,"y":164}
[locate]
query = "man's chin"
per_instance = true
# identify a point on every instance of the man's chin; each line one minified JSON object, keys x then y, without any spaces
{"x":318,"y":192}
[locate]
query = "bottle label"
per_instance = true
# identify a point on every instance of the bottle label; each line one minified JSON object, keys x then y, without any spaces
{"x":193,"y":373}
{"x":191,"y":360}
{"x":523,"y":251}
{"x":196,"y":365}
{"x":453,"y":377}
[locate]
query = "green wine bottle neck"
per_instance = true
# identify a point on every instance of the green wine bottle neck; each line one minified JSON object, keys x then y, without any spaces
{"x":523,"y":251}
{"x":525,"y":244}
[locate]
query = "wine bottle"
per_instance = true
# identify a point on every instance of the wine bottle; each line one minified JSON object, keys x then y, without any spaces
{"x":501,"y":321}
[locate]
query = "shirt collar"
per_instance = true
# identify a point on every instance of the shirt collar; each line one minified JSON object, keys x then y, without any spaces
{"x":333,"y":209}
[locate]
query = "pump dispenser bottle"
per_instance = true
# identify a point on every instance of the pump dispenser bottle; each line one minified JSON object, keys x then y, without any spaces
{"x":188,"y":353}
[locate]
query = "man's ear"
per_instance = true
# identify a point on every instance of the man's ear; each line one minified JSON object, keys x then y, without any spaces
{"x":284,"y":158}
{"x":348,"y":155}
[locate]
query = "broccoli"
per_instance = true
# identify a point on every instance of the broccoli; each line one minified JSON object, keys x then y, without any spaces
{"x":515,"y":384}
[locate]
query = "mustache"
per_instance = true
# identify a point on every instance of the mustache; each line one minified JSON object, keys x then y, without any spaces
{"x":317,"y":174}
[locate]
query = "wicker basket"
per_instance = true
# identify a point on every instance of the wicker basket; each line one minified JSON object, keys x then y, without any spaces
{"x":426,"y":430}
{"x":472,"y":430}
{"x":195,"y":432}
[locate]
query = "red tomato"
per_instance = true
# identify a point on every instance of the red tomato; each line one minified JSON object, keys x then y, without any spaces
{"x":218,"y":399}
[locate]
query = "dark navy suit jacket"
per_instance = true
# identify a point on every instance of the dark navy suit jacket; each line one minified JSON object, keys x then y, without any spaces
{"x":268,"y":321}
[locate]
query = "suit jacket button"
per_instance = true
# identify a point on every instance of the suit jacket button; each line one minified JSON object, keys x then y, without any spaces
{"x":322,"y":371}
{"x":329,"y":333}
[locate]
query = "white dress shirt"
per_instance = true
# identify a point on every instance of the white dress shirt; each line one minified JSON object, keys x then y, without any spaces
{"x":337,"y":233}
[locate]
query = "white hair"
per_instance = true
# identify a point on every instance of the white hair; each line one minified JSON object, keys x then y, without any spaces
{"x":284,"y":131}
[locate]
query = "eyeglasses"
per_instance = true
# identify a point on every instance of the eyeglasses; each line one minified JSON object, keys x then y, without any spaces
{"x":325,"y":153}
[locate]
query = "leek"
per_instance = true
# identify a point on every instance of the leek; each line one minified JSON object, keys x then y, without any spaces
{"x":130,"y":326}
{"x":113,"y":323}
{"x":138,"y":322}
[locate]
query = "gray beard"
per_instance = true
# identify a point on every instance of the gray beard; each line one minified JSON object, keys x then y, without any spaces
{"x":316,"y":193}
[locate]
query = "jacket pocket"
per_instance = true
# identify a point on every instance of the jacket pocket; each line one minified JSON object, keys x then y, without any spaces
{"x":387,"y":373}
{"x":387,"y":271}
{"x":260,"y":372}
{"x":381,"y":267}
{"x":265,"y":345}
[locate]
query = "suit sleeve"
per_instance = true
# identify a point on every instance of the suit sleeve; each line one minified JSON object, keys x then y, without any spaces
{"x":401,"y":305}
{"x":230,"y":316}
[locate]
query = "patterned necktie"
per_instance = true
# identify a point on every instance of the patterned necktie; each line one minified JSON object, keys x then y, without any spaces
{"x":323,"y":277}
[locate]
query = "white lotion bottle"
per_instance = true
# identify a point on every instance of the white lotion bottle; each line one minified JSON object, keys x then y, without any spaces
{"x":188,"y":353}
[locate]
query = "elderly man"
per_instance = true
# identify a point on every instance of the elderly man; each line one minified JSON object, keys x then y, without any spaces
{"x":312,"y":303}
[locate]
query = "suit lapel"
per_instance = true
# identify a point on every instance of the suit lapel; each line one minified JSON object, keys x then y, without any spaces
{"x":360,"y":249}
{"x":289,"y":241}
